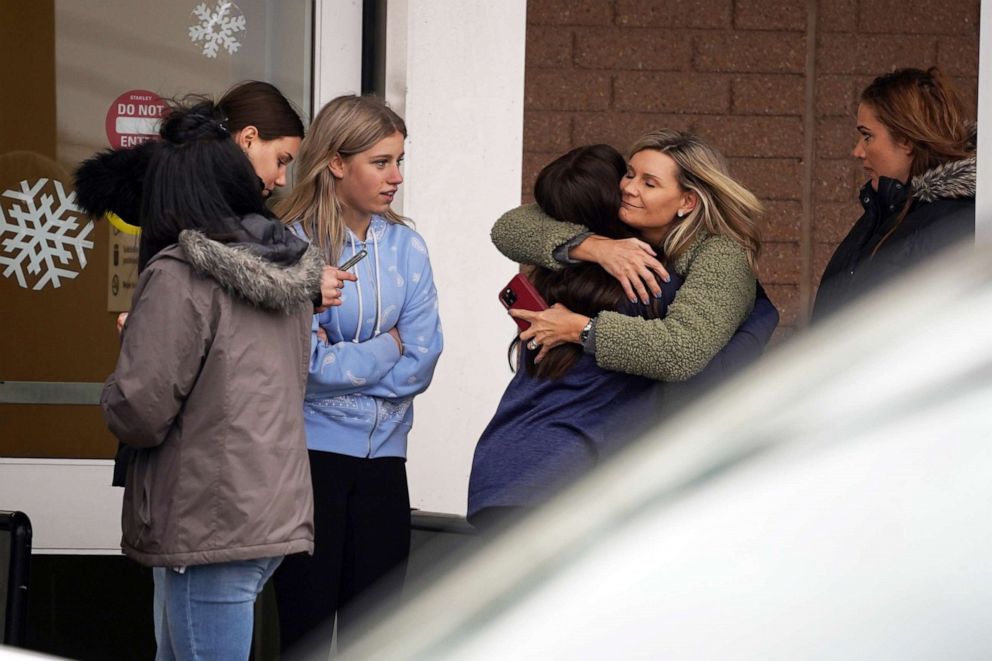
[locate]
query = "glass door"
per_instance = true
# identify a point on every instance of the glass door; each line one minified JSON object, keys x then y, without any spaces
{"x":80,"y":77}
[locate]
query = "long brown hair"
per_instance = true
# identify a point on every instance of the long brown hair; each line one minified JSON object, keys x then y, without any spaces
{"x":725,"y":206}
{"x":347,"y":125}
{"x":922,"y":108}
{"x":262,"y":105}
{"x":583,"y":187}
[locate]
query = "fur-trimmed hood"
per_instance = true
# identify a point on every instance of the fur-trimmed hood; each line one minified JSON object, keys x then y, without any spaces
{"x":955,"y":179}
{"x":242,"y":272}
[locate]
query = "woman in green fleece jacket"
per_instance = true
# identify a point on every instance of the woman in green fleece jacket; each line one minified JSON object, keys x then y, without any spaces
{"x":679,"y":196}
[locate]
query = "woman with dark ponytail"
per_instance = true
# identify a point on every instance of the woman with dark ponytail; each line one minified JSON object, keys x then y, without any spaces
{"x":918,"y":152}
{"x":265,"y":126}
{"x":209,"y":387}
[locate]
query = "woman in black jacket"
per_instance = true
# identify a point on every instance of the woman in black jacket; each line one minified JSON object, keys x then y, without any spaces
{"x":918,"y":151}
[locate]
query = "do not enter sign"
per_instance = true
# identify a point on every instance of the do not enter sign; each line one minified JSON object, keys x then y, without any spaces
{"x":134,"y":118}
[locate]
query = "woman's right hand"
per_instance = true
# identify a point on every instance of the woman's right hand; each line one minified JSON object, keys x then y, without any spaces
{"x":331,"y":282}
{"x":631,"y":261}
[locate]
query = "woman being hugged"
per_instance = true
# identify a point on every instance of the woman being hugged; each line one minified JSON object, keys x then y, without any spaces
{"x":369,"y":357}
{"x":210,"y":376}
{"x":679,"y":197}
{"x":918,"y":152}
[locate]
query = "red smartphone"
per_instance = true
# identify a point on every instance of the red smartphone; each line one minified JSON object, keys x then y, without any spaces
{"x":520,"y":294}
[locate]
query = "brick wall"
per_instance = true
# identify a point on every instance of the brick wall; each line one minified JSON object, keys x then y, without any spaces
{"x":738,"y":73}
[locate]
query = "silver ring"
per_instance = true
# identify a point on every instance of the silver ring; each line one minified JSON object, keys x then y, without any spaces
{"x":533,"y":345}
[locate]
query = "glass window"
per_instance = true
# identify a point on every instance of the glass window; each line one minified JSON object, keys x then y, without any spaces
{"x":80,"y":77}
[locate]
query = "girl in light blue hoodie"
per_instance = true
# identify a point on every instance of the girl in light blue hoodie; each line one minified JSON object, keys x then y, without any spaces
{"x":369,"y":357}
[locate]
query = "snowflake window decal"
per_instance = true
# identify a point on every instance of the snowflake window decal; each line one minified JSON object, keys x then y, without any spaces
{"x":41,"y":234}
{"x":217,"y":27}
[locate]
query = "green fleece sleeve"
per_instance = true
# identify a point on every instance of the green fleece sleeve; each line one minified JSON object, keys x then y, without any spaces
{"x":527,"y":235}
{"x":714,"y":300}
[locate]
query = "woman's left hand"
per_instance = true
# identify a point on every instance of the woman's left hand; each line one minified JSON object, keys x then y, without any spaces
{"x":551,"y":327}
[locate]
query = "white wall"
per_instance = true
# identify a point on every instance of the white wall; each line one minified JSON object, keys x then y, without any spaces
{"x":455,"y":71}
{"x":983,"y":201}
{"x":337,"y":50}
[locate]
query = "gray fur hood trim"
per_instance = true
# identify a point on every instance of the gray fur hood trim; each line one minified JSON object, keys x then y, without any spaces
{"x":955,"y":179}
{"x":244,"y":274}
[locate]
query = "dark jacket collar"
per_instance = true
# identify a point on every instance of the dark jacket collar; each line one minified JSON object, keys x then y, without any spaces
{"x":951,"y":180}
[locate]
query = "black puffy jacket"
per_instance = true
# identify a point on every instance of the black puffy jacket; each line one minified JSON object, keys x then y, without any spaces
{"x":942,"y":213}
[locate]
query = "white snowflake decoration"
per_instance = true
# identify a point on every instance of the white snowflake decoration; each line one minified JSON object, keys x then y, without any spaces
{"x":41,"y":229}
{"x":217,"y":28}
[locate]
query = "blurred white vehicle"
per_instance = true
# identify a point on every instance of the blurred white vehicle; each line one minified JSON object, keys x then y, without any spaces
{"x":833,"y":503}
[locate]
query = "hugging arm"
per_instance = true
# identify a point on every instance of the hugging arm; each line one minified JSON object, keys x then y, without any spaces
{"x":529,"y":236}
{"x":716,"y":297}
{"x":749,"y":341}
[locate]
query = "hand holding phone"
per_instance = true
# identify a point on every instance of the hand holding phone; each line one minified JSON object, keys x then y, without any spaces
{"x":520,"y":294}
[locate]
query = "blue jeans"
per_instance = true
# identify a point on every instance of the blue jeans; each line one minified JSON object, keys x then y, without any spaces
{"x":206,"y":612}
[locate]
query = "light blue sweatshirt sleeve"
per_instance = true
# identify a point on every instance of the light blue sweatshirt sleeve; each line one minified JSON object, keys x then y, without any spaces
{"x":347,"y":367}
{"x":419,"y":326}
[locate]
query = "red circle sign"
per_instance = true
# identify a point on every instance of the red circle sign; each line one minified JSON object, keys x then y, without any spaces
{"x":134,"y":117}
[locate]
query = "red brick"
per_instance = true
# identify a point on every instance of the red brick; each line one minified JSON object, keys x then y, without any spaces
{"x":622,"y":129}
{"x":782,"y":221}
{"x":785,"y":298}
{"x":764,"y":52}
{"x":833,"y":220}
{"x":837,"y":96}
{"x":753,"y":136}
{"x":822,"y":252}
{"x":630,"y":48}
{"x":770,"y":178}
{"x":671,"y":93}
{"x":833,"y":180}
{"x":533,"y":162}
{"x":548,"y":89}
{"x":837,"y":16}
{"x":873,"y":55}
{"x":779,"y":263}
{"x":547,"y":131}
{"x":918,"y":16}
{"x":675,"y":13}
{"x":774,"y":94}
{"x":968,"y":89}
{"x":548,"y":47}
{"x":770,"y":15}
{"x":569,"y":12}
{"x":958,"y":56}
{"x":835,"y":137}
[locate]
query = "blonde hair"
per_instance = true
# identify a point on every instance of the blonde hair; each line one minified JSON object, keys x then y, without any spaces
{"x":347,"y":126}
{"x":725,"y":207}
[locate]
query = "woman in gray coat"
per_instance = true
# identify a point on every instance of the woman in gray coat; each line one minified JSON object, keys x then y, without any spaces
{"x":209,"y":388}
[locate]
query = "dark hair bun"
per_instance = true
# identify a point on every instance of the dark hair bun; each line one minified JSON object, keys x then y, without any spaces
{"x":191,"y":123}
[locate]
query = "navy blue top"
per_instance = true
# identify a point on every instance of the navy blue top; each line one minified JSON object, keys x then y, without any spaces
{"x":546,"y":431}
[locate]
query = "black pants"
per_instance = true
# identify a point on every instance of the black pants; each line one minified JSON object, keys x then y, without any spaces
{"x":361,"y":535}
